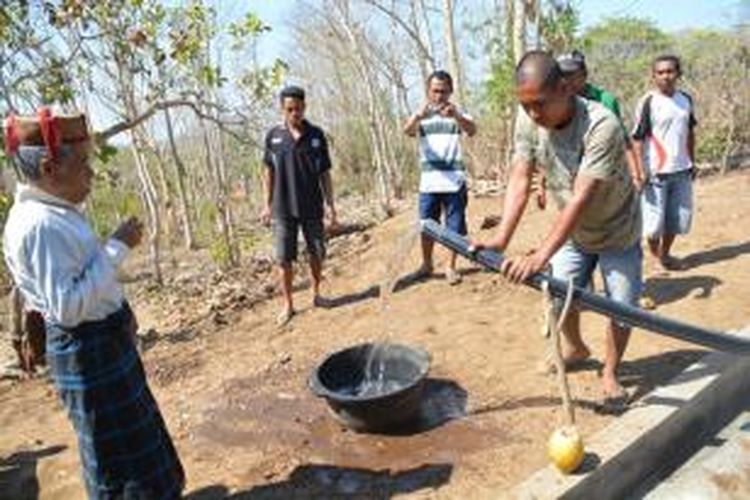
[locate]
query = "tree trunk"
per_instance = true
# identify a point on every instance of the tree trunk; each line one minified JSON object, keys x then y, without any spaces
{"x":180,"y":173}
{"x":375,"y":131}
{"x":453,"y":56}
{"x":430,"y":44}
{"x":127,"y":94}
{"x":167,"y":204}
{"x":519,"y":29}
{"x":224,"y":190}
{"x":218,"y":191}
{"x":425,"y":65}
{"x":152,"y":208}
{"x":729,"y":141}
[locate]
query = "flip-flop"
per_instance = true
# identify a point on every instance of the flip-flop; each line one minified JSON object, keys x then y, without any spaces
{"x":615,"y":405}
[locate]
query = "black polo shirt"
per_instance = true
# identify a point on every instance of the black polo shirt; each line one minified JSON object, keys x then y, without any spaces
{"x":297,"y":166}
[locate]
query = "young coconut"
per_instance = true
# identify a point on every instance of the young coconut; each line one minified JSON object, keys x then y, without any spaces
{"x":565,"y":446}
{"x":565,"y":449}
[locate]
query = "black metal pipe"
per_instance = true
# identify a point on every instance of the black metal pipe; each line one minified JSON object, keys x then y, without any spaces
{"x":588,"y":300}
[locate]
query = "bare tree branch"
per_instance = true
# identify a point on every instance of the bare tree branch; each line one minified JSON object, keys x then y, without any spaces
{"x":412,"y":34}
{"x":134,"y":122}
{"x":224,"y":124}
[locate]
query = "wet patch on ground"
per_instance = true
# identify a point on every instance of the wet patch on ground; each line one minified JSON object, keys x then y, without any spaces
{"x":278,"y":417}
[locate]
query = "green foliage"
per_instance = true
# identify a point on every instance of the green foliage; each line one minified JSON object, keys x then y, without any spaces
{"x":261,"y":82}
{"x":711,"y":144}
{"x":500,"y":87}
{"x":619,"y":53}
{"x":251,"y":241}
{"x":559,"y":24}
{"x":207,"y":216}
{"x":250,"y":26}
{"x":6,"y":201}
{"x":211,"y":76}
{"x":105,"y":152}
{"x":112,"y":200}
{"x":220,"y":253}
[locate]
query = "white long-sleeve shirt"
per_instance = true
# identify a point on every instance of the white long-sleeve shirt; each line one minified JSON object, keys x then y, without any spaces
{"x":58,"y":263}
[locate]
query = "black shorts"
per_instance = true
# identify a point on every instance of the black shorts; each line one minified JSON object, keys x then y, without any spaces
{"x":286,"y":233}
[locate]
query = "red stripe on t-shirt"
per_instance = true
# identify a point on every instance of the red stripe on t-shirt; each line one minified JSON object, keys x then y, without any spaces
{"x":661,"y":154}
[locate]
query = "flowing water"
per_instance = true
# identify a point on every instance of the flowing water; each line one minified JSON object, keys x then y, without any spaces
{"x":376,"y":380}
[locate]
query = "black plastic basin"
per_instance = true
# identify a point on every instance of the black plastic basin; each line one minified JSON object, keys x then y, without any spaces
{"x":341,"y":375}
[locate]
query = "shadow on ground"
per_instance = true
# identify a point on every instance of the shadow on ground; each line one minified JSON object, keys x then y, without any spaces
{"x":665,"y":290}
{"x":328,"y":481}
{"x":643,"y":375}
{"x":442,"y":400}
{"x":714,"y":255}
{"x":18,"y":479}
{"x":374,"y":292}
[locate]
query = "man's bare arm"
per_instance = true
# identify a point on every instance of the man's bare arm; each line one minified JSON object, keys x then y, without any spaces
{"x":516,"y":197}
{"x":268,"y":179}
{"x":518,"y":269}
{"x":326,"y":184}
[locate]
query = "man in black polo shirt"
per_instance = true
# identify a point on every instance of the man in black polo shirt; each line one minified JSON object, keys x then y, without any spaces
{"x":297,"y":180}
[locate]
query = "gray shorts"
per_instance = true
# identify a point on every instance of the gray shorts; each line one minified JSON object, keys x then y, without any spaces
{"x":621,"y":270}
{"x":286,"y":233}
{"x":667,"y":204}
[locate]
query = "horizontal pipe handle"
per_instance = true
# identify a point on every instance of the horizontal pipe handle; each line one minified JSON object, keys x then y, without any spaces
{"x":625,"y":313}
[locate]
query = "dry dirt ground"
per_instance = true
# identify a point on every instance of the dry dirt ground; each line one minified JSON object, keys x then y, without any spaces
{"x":232,"y":386}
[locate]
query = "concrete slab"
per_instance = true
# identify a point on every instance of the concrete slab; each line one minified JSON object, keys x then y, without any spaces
{"x":647,"y":414}
{"x":719,"y":471}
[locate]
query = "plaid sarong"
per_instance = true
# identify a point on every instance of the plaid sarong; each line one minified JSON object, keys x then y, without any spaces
{"x":125,"y":449}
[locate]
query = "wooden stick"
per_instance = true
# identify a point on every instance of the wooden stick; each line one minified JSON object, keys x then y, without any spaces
{"x":554,"y":324}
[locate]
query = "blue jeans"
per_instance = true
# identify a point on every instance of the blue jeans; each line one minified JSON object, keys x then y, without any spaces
{"x":667,"y":204}
{"x":453,"y":205}
{"x":622,"y":270}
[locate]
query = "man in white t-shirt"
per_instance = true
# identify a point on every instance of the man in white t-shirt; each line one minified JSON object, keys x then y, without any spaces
{"x":442,"y":185}
{"x":664,"y":137}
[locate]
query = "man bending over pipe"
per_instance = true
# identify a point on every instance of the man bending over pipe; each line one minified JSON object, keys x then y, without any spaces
{"x":579,"y":146}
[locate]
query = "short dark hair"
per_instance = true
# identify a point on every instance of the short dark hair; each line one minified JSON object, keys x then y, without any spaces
{"x":28,"y":160}
{"x":292,"y":91}
{"x":443,"y":76}
{"x":538,"y":65}
{"x":667,"y":58}
{"x":572,"y":62}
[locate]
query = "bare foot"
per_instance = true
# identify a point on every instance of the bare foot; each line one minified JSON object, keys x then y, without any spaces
{"x":424,"y":272}
{"x":573,"y":357}
{"x":285,"y":316}
{"x":612,"y":388}
{"x":572,"y":361}
{"x":615,"y":399}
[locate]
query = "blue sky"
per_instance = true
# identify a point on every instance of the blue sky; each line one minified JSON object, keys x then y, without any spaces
{"x":669,"y":15}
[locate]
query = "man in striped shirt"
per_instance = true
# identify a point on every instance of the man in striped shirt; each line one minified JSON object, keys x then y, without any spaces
{"x":442,"y":186}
